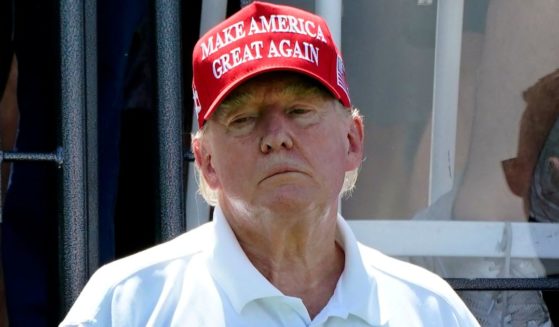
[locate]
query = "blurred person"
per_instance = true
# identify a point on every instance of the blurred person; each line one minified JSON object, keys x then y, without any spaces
{"x":516,"y":48}
{"x":9,"y":117}
{"x":533,"y":174}
{"x":29,"y":212}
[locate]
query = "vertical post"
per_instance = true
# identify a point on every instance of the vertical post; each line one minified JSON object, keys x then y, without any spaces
{"x":445,"y":97}
{"x":92,"y":134}
{"x":213,"y":12}
{"x":331,"y":11}
{"x":169,"y":101}
{"x":73,"y":242}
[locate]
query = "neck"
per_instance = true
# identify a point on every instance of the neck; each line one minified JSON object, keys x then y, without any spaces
{"x":297,"y":254}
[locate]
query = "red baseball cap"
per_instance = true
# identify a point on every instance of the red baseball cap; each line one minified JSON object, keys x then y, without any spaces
{"x":264,"y":37}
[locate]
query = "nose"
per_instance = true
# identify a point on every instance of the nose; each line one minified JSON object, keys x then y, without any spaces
{"x":276,"y":134}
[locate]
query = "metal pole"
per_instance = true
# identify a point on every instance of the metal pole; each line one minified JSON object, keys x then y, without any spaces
{"x":445,"y":97}
{"x":504,"y":284}
{"x":73,"y":238}
{"x":11,"y":156}
{"x":331,"y":11}
{"x":92,"y":134}
{"x":169,"y":104}
{"x":213,"y":12}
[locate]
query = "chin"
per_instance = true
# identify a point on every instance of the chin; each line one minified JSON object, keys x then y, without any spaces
{"x":290,"y":201}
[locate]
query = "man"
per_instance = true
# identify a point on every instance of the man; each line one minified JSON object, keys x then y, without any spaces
{"x":278,"y":143}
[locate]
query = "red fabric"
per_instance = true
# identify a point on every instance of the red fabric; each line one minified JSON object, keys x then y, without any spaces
{"x":263,"y":37}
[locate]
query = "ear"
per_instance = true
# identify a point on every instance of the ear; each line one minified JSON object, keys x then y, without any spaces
{"x":203,"y":160}
{"x":355,"y":137}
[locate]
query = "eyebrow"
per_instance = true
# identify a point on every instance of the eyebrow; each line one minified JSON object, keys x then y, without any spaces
{"x":232,"y":102}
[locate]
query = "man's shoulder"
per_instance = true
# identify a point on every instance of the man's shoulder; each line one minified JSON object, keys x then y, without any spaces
{"x":412,"y":288}
{"x":405,"y":273}
{"x":145,"y":271}
{"x":183,"y":247}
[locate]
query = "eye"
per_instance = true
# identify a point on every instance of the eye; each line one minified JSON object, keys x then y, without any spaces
{"x":240,"y":121}
{"x":299,"y":111}
{"x":304,"y":115}
{"x":241,"y":124}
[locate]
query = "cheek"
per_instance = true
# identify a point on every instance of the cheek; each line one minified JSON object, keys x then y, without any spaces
{"x":232,"y":163}
{"x":330,"y":153}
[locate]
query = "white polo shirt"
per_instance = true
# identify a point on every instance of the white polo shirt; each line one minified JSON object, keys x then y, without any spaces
{"x":203,"y":278}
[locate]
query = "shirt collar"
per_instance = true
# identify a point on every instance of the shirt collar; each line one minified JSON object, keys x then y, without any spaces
{"x":232,"y":269}
{"x":356,"y":290}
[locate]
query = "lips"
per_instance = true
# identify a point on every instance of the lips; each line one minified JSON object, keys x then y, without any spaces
{"x":281,"y":169}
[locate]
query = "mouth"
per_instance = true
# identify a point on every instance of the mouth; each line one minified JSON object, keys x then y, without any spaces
{"x":281,"y":171}
{"x":287,"y":171}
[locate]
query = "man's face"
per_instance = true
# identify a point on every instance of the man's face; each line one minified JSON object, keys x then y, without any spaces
{"x":279,"y":144}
